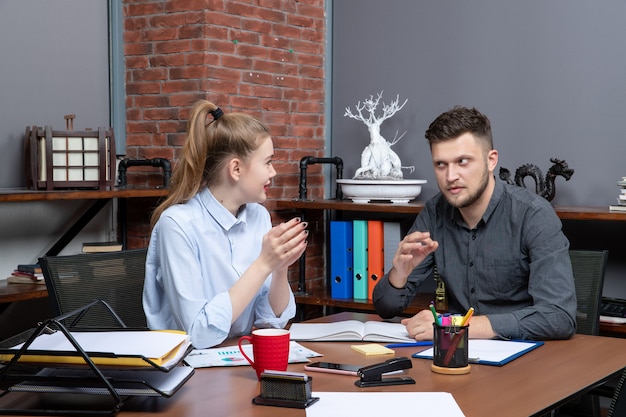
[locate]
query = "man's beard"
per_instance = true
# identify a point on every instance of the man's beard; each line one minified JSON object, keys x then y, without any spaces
{"x":472,"y":197}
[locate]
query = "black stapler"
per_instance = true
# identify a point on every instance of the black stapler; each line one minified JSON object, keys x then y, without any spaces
{"x":371,"y":376}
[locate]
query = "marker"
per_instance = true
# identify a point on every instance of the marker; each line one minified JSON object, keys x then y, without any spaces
{"x":432,"y":309}
{"x":411,"y":344}
{"x":468,"y":316}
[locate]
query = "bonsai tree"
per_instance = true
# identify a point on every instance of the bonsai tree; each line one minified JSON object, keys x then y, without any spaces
{"x":378,"y":160}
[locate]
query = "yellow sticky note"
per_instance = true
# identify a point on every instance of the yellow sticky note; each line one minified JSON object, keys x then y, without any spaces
{"x":372,"y":349}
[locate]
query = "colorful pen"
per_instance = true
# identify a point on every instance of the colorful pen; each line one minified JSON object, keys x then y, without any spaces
{"x":468,"y":316}
{"x":432,"y":309}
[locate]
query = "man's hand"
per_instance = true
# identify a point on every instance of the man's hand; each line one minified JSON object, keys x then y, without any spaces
{"x":411,"y":252}
{"x":420,"y":326}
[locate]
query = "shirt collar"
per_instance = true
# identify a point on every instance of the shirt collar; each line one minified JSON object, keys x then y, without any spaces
{"x":498,"y":192}
{"x":221,"y":215}
{"x":496,"y":197}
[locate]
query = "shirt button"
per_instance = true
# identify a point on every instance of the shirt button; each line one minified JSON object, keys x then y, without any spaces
{"x":471,"y":263}
{"x":473,"y":237}
{"x":473,"y":290}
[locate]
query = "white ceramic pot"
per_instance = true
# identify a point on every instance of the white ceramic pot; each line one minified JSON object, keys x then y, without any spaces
{"x":362,"y":191}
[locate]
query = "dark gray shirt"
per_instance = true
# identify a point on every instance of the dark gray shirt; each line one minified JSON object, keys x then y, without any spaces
{"x":514,"y":266}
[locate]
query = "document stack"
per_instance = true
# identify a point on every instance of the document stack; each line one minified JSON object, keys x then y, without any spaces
{"x":621,"y":198}
{"x":106,"y":366}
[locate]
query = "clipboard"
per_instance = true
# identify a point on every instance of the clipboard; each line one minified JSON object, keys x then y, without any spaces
{"x":491,"y":352}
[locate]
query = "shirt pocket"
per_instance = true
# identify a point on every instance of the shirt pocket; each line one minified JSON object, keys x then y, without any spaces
{"x":504,"y":279}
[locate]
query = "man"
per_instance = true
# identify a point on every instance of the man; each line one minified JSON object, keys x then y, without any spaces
{"x":498,"y":248}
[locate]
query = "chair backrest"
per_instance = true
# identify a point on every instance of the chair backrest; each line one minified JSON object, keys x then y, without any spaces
{"x":115,"y":277}
{"x":588,"y":267}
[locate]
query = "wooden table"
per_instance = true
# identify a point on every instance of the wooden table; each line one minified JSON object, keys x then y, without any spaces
{"x":529,"y":386}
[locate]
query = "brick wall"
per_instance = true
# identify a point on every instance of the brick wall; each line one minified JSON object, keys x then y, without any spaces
{"x":263,"y":57}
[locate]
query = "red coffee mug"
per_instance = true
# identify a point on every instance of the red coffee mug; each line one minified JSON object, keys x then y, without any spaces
{"x":270,"y":350}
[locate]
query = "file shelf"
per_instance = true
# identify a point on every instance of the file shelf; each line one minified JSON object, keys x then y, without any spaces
{"x":99,"y":199}
{"x":404,"y":211}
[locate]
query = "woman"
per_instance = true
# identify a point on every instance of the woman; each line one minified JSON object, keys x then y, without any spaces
{"x":216,"y":267}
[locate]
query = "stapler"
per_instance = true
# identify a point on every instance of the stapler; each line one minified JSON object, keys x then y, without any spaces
{"x":371,"y":376}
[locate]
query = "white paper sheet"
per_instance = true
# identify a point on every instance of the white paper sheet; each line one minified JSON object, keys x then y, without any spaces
{"x":376,"y":404}
{"x":231,"y":356}
{"x":151,"y":344}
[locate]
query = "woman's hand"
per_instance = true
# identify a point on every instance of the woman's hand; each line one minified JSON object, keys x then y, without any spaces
{"x":284,"y":244}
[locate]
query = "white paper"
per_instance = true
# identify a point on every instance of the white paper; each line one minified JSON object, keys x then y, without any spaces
{"x":231,"y":356}
{"x":150,"y":344}
{"x":490,"y":350}
{"x":377,"y":404}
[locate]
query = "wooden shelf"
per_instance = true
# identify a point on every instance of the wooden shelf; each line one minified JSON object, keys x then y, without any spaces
{"x":98,"y":198}
{"x":21,"y":194}
{"x":612,"y":329}
{"x":19,"y":292}
{"x":420,"y":302}
{"x":414,"y":207}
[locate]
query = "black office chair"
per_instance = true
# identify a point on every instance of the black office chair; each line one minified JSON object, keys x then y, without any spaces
{"x":588,"y":267}
{"x":115,"y":277}
{"x":618,"y":403}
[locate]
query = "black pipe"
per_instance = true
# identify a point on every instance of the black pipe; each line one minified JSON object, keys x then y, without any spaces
{"x":163,"y":163}
{"x":302,"y":195}
{"x":310,"y":160}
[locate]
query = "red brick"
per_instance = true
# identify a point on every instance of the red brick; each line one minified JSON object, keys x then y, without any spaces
{"x":274,"y":71}
{"x":137,"y":49}
{"x":144,"y":9}
{"x":173,"y":46}
{"x":149,"y":74}
{"x":184,"y":5}
{"x":161,"y":34}
{"x":198,"y":71}
{"x":176,"y":86}
{"x":191,"y":32}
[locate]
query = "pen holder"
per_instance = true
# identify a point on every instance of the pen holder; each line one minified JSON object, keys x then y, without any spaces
{"x":450,"y":349}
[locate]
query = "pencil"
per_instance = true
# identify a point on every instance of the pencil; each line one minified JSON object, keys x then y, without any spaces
{"x":467,"y":316}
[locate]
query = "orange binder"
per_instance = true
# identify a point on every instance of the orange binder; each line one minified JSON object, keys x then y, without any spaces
{"x":375,"y":254}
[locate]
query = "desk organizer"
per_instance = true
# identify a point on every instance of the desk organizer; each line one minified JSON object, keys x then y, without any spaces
{"x":52,"y":384}
{"x":58,"y":159}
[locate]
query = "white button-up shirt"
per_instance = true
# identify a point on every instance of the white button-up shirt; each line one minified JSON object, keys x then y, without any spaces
{"x":197,"y":251}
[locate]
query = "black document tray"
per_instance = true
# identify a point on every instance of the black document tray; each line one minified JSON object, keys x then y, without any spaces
{"x":52,"y":387}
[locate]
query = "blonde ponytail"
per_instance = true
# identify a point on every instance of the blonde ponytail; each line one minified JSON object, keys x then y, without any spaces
{"x":208,"y":144}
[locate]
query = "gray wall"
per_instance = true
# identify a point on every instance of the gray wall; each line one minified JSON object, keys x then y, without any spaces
{"x":548,"y":73}
{"x":54,"y":61}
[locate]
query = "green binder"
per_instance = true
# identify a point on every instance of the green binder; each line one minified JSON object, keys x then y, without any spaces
{"x":359,"y":244}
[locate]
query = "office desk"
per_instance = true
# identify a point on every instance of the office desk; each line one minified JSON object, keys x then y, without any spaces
{"x":528,"y":386}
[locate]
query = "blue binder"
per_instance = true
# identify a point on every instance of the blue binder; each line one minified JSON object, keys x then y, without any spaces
{"x":360,"y":259}
{"x":341,"y":259}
